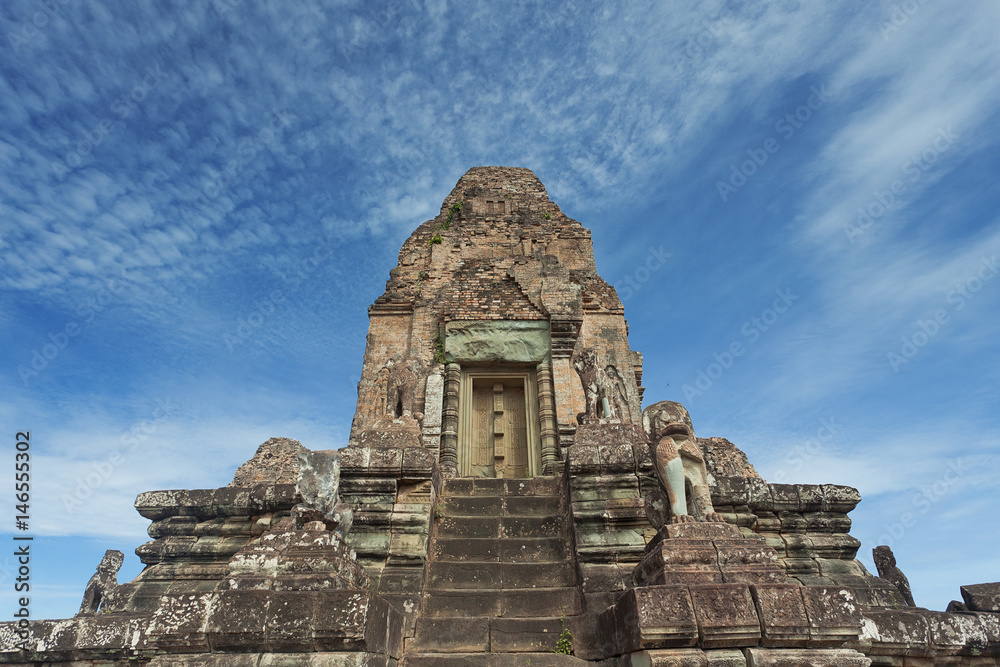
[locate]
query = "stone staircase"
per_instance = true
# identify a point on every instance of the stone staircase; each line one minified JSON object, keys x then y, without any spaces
{"x":501,"y":576}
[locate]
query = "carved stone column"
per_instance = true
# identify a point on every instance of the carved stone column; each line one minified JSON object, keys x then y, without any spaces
{"x":547,"y":417}
{"x":449,"y":420}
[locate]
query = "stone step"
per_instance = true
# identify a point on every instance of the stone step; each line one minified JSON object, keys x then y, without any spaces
{"x":496,"y":526}
{"x":517,"y":603}
{"x":487,"y":486}
{"x":518,"y":635}
{"x":443,"y":575}
{"x":547,"y":659}
{"x":507,"y":550}
{"x":450,"y":635}
{"x":479,"y":506}
{"x":481,"y":634}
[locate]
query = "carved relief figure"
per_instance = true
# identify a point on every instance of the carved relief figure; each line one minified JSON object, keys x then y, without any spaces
{"x":885,"y":562}
{"x":103,"y":585}
{"x":603,"y":387}
{"x":401,"y":384}
{"x":372,"y":395}
{"x":678,"y":462}
{"x":618,"y":394}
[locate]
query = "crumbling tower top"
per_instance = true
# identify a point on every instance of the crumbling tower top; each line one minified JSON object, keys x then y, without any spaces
{"x":500,"y":284}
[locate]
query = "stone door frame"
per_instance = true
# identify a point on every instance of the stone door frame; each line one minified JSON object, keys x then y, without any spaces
{"x":527,"y":377}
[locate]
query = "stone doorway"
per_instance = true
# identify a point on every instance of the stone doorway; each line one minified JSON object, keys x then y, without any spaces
{"x":498,"y":425}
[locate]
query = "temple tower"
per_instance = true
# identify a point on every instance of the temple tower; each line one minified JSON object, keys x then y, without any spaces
{"x":503,"y":497}
{"x":475,"y":346}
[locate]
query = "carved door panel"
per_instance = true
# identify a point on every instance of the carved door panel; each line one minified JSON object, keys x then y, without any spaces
{"x":499,"y":430}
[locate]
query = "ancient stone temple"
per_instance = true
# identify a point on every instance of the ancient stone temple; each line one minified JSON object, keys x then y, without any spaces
{"x":504,"y":499}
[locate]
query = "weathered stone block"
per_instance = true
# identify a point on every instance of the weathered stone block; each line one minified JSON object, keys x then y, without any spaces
{"x":834,"y":614}
{"x":726,"y":658}
{"x":730,"y":491}
{"x":679,"y":561}
{"x":530,"y":505}
{"x":782,"y":614}
{"x":669,"y":658}
{"x":180,"y":622}
{"x":602,"y":577}
{"x":726,"y":615}
{"x":520,"y":635}
{"x":386,"y":462}
{"x":582,"y":460}
{"x":466,"y":549}
{"x":953,"y":634}
{"x":532,"y":526}
{"x":811,"y":498}
{"x":840,"y":498}
{"x":417,"y":463}
{"x":462,"y":604}
{"x":537,"y":575}
{"x":784,"y":497}
{"x":982,"y":597}
{"x":617,"y":459}
{"x":469,"y":527}
{"x":769,"y":657}
{"x":473,"y":505}
{"x":529,"y":603}
{"x":895,"y":632}
{"x":650,"y":617}
{"x":236,"y":621}
{"x":457,"y":575}
{"x":451,"y":635}
{"x":701,"y":530}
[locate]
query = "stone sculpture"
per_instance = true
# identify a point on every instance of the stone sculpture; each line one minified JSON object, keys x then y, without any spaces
{"x":678,"y":462}
{"x":603,"y":388}
{"x":885,"y":561}
{"x":103,"y":585}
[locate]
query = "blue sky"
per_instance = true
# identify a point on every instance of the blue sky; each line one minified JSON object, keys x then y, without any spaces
{"x":197,"y":206}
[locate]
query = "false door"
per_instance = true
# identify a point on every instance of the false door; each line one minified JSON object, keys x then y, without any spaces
{"x":499,"y":438}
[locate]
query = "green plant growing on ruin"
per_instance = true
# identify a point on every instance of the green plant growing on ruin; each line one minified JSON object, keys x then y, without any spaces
{"x":435,"y":239}
{"x":564,"y":644}
{"x":438,"y":512}
{"x":455,"y":208}
{"x":439,"y":349}
{"x":548,"y":216}
{"x":420,"y":279}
